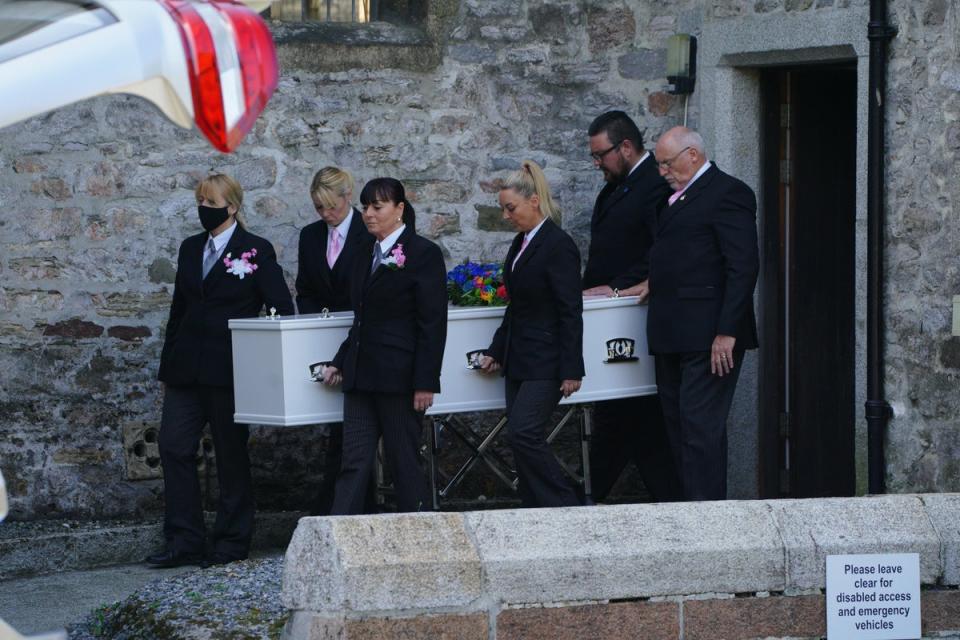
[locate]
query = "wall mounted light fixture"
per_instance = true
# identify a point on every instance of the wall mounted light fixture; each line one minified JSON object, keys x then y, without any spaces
{"x":681,"y":63}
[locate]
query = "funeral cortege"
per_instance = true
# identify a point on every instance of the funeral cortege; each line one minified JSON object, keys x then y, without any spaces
{"x":277,"y":361}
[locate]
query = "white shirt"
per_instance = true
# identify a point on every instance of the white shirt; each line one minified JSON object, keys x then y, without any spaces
{"x":646,"y":154}
{"x":341,"y":229}
{"x":220,"y":241}
{"x":389,"y":241}
{"x":702,"y":170}
{"x":528,"y":237}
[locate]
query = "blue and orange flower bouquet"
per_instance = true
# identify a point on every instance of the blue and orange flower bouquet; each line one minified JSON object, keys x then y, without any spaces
{"x":473,"y":284}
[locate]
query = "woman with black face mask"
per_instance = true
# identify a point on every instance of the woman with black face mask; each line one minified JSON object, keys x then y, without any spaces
{"x":225,"y":272}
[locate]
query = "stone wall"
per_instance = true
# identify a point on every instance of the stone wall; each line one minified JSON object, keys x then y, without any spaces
{"x":95,"y":199}
{"x":923,"y":227}
{"x":734,"y":569}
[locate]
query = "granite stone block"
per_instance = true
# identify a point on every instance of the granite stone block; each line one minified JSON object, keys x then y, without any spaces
{"x":380,"y":563}
{"x":944,"y":513}
{"x":814,"y":529}
{"x":628,"y":551}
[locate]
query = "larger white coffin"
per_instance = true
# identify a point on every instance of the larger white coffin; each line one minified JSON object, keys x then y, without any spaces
{"x":271,"y":360}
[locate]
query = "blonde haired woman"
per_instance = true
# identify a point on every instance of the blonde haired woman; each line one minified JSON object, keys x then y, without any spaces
{"x":328,"y":248}
{"x":329,"y":245}
{"x":538,"y":346}
{"x":224,"y":272}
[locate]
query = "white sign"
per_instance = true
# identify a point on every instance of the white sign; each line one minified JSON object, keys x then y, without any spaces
{"x":873,"y":596}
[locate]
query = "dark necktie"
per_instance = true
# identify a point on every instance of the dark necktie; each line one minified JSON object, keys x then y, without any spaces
{"x":377,"y":257}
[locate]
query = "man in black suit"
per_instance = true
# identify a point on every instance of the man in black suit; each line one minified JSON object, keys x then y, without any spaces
{"x":621,"y":232}
{"x":703,"y":270}
{"x":196,"y":368}
{"x":327,"y":250}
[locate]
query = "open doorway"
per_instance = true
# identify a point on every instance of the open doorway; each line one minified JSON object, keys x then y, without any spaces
{"x":808,"y":297}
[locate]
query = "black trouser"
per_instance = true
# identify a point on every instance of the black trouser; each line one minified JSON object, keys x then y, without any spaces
{"x":696,"y":404}
{"x":323,"y":503}
{"x":632,"y":429}
{"x":186,"y":410}
{"x":530,"y":403}
{"x":368,"y":416}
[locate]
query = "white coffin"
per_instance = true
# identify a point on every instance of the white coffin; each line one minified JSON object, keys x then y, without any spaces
{"x":271,"y":360}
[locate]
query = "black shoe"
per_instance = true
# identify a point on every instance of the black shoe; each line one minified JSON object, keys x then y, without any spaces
{"x":171,"y":559}
{"x":217,"y":558}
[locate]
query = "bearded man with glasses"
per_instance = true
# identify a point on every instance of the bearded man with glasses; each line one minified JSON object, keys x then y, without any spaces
{"x":621,"y":233}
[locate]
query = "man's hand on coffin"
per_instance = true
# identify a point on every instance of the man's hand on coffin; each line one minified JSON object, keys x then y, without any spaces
{"x":422,"y":400}
{"x":641,"y":290}
{"x":488,"y":364}
{"x":331,"y":375}
{"x":568,"y":387}
{"x":602,"y":290}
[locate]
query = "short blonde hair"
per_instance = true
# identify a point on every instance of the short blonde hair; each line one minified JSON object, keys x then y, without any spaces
{"x":528,"y":181}
{"x":329,"y":184}
{"x":222,"y":185}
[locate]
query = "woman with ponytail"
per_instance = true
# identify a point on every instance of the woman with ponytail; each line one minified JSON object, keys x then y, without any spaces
{"x":538,"y":347}
{"x":390,"y":362}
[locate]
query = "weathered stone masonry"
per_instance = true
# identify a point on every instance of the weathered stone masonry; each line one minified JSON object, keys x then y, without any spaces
{"x":95,"y":199}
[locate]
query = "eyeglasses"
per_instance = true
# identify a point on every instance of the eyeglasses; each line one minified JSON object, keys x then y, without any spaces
{"x":598,"y":155}
{"x":665,"y":164}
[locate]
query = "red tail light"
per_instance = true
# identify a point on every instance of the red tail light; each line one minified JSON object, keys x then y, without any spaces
{"x":222,"y":113}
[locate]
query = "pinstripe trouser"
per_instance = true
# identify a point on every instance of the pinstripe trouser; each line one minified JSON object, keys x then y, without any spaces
{"x":366,"y":417}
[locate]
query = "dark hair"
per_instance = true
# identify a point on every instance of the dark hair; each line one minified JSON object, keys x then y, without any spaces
{"x":619,"y":127}
{"x":388,"y":190}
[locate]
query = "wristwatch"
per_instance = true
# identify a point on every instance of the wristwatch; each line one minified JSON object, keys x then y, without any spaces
{"x":616,"y":292}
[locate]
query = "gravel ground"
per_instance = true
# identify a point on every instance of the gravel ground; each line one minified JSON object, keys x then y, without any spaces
{"x":238,"y":601}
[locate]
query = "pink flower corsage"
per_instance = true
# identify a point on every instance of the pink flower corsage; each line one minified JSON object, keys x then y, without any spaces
{"x":242,"y":266}
{"x":396,"y":259}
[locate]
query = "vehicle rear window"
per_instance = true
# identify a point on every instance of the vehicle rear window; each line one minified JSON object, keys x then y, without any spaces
{"x":30,"y":25}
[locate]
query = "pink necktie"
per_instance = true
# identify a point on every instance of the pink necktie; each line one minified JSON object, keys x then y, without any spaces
{"x":523,"y":245}
{"x":675,"y":195}
{"x":333,"y":248}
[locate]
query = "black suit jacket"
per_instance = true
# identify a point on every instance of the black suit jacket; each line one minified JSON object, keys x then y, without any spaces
{"x":623,"y":226}
{"x":704,"y":266}
{"x":198,"y":347}
{"x":319,"y":286}
{"x":400,"y":322}
{"x":541,"y":336}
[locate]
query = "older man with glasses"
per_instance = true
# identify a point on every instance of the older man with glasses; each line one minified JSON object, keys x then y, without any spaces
{"x":621,"y":234}
{"x":703,"y":270}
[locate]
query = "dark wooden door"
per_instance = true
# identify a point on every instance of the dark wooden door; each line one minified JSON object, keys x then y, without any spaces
{"x":808,"y":294}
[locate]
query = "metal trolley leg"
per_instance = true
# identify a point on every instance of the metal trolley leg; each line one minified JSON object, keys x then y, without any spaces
{"x":586,"y":435}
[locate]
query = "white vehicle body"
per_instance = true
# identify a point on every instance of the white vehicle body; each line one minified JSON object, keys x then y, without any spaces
{"x":208,"y":63}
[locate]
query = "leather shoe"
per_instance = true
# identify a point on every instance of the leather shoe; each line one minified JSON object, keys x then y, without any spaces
{"x":170,"y":559}
{"x":217,"y":558}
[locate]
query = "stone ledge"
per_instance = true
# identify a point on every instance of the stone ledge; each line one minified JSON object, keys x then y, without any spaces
{"x":630,"y":551}
{"x":482,"y":561}
{"x":382,"y":562}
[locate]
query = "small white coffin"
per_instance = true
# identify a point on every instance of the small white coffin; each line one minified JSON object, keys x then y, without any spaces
{"x":272,"y":358}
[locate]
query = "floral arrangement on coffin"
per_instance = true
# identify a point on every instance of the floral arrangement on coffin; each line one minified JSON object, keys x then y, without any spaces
{"x":473,"y":284}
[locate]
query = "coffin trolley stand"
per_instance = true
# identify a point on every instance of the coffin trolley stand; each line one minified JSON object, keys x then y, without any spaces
{"x":273,"y":384}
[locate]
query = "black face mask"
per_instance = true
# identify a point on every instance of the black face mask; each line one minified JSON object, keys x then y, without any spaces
{"x":212,"y":217}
